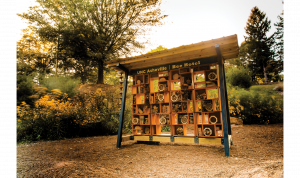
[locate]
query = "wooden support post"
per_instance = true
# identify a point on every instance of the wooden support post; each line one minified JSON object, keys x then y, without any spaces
{"x":122,"y":105}
{"x":224,"y":104}
{"x":226,"y":98}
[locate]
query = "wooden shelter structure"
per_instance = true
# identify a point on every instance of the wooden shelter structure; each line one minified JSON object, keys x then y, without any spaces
{"x":214,"y":51}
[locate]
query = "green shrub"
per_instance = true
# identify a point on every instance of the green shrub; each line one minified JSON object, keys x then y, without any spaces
{"x":54,"y":117}
{"x":65,"y":84}
{"x":24,"y":89}
{"x":24,"y":83}
{"x":238,"y":76}
{"x":256,"y":106}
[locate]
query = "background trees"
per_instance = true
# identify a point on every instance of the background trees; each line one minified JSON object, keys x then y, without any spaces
{"x":34,"y":52}
{"x":257,"y":44}
{"x":92,"y":32}
{"x":279,"y":48}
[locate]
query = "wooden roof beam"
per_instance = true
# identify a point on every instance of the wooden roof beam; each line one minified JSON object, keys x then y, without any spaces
{"x":205,"y":44}
{"x":176,"y":58}
{"x":198,"y":51}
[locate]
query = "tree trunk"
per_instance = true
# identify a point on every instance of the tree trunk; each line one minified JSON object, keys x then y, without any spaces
{"x":265,"y":74}
{"x":100,"y":72}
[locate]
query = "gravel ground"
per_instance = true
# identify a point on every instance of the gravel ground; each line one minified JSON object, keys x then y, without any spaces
{"x":257,"y":151}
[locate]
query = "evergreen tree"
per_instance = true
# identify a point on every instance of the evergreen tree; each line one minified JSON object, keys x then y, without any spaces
{"x":258,"y":45}
{"x":279,"y":48}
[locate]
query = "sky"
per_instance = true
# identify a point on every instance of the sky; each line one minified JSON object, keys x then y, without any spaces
{"x":193,"y":21}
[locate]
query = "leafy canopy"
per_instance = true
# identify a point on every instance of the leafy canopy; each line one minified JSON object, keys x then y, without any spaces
{"x":34,"y":52}
{"x":94,"y":31}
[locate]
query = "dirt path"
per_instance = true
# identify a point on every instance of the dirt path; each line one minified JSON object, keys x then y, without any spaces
{"x":257,"y":152}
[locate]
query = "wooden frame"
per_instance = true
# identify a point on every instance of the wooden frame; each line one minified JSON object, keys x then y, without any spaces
{"x":197,"y":101}
{"x":187,"y":101}
{"x":183,"y":89}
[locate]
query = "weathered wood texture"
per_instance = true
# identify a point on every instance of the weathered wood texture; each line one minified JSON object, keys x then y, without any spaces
{"x":228,"y":46}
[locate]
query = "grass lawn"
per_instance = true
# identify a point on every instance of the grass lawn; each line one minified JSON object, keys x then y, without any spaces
{"x":269,"y":89}
{"x":266,"y":87}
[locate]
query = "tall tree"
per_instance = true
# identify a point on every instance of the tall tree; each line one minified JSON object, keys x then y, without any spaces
{"x":279,"y":46}
{"x":94,"y":31}
{"x":33,"y":52}
{"x":258,"y":45}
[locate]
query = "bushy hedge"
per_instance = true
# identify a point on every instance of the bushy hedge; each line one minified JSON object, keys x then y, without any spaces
{"x":238,"y":76}
{"x":24,"y":83}
{"x":258,"y":105}
{"x":55,"y":116}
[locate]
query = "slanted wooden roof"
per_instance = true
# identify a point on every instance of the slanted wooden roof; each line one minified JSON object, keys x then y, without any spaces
{"x":228,"y":45}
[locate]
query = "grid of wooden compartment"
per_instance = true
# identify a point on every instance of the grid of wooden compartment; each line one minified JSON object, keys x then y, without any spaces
{"x":160,"y":103}
{"x":140,"y":105}
{"x":182,"y":112}
{"x":207,"y":101}
{"x":185,"y":100}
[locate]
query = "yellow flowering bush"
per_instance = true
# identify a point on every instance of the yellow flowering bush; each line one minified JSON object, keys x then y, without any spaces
{"x":255,"y":106}
{"x":51,"y":104}
{"x":55,"y":116}
{"x":235,"y":108}
{"x":23,"y":109}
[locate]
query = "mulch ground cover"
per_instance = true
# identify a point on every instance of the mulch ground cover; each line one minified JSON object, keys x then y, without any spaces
{"x":257,"y":151}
